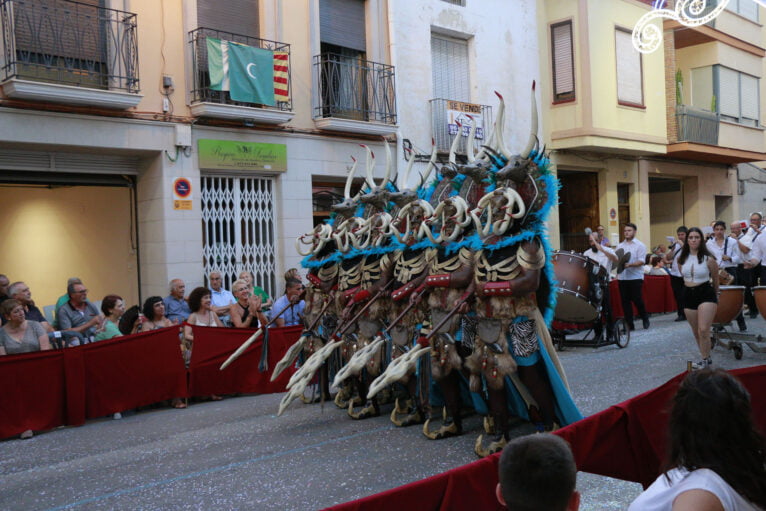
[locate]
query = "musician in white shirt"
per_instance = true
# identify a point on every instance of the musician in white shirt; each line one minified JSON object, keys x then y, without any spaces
{"x":726,"y":253}
{"x":676,"y":280}
{"x":605,"y":257}
{"x":750,"y":273}
{"x":631,"y":280}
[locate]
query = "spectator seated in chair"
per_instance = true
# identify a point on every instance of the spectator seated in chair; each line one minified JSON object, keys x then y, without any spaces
{"x":79,"y":314}
{"x":20,"y":292}
{"x":176,"y":307}
{"x":154,"y":315}
{"x":20,"y":335}
{"x":113,"y":308}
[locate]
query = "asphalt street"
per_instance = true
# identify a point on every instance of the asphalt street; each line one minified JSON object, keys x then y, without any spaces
{"x":236,"y":454}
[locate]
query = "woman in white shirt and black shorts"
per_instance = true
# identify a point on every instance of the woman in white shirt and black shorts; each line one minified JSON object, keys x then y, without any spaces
{"x":699,"y":268}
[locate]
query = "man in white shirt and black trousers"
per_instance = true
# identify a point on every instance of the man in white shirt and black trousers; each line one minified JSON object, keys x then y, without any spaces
{"x":750,"y":273}
{"x":755,"y":261}
{"x":726,"y":253}
{"x":676,"y":280}
{"x":631,"y":279}
{"x":604,"y":256}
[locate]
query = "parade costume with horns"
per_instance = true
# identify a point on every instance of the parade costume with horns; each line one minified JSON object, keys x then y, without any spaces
{"x":475,"y":241}
{"x":515,"y":298}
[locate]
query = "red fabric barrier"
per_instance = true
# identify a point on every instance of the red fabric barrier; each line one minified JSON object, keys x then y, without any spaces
{"x":626,"y":441}
{"x":48,"y":389}
{"x":124,"y":374}
{"x":212,"y":346}
{"x":655,"y":292}
{"x":33,"y":392}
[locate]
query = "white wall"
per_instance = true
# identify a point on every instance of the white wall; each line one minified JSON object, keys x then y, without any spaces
{"x":503,"y":56}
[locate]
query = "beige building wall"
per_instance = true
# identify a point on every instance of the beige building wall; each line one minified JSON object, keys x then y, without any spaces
{"x":50,"y":235}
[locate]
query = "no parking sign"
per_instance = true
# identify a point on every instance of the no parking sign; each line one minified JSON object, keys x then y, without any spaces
{"x":182,"y":194}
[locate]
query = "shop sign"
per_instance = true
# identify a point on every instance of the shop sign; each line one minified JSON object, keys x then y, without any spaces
{"x":458,"y":112}
{"x":234,"y":155}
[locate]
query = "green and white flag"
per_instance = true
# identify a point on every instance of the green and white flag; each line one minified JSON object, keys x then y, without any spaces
{"x":245,"y":71}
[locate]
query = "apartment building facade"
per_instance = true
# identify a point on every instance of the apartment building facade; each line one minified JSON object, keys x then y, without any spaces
{"x":129,"y":156}
{"x":654,"y":139}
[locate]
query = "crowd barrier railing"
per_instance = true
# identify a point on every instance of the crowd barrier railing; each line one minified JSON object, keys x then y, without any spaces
{"x":625,"y":441}
{"x":47,"y":389}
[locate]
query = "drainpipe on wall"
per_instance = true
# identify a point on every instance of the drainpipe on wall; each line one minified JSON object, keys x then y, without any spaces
{"x":393,"y":61}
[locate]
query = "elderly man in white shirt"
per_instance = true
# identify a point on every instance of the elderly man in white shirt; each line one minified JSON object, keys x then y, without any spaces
{"x":604,"y":256}
{"x":726,"y":253}
{"x":631,"y":279}
{"x":221,"y":298}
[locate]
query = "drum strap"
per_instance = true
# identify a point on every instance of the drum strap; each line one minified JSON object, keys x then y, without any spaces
{"x":725,"y":244}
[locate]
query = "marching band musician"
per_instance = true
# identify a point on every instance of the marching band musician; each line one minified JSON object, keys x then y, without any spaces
{"x":604,"y":256}
{"x":726,"y":253}
{"x":750,"y":271}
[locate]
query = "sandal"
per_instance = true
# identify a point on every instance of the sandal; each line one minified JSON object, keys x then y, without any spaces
{"x":178,"y":404}
{"x":215,"y":398}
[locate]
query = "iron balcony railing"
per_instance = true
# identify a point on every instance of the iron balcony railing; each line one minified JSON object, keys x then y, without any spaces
{"x":445,"y":113}
{"x":70,"y":43}
{"x":351,"y":88}
{"x":695,"y":125}
{"x":201,"y":91}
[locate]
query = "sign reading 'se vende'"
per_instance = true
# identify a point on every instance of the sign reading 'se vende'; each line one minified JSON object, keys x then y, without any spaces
{"x":233,"y":155}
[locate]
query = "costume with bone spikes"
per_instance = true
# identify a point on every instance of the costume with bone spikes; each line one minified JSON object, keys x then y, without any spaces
{"x":406,"y":312}
{"x":513,"y":280}
{"x":450,"y":275}
{"x":377,"y":251}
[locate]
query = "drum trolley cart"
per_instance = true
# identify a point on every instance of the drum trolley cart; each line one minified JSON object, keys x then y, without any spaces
{"x":581,"y":287}
{"x":729,"y":306}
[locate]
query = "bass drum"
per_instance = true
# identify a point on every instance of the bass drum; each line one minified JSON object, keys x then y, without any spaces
{"x":578,"y":283}
{"x":759,"y":293}
{"x":729,"y":303}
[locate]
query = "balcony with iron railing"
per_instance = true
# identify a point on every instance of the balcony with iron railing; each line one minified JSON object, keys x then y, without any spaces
{"x":445,"y":116}
{"x":61,"y":51}
{"x":697,"y":125}
{"x":354,"y":95}
{"x":707,"y":136}
{"x":208,"y":102}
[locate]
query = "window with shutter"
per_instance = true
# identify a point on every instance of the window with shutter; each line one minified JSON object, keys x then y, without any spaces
{"x":450,"y":71}
{"x":728,"y":93}
{"x":748,"y":86}
{"x":563,"y":61}
{"x":630,"y":90}
{"x":745,"y":8}
{"x":234,"y":16}
{"x":702,"y":88}
{"x":341,"y":23}
{"x":737,"y":95}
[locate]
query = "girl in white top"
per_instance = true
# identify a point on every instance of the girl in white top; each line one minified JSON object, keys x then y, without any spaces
{"x":700,"y":296}
{"x":716,"y":458}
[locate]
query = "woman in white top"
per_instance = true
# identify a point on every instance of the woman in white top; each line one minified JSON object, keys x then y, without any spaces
{"x":717,"y":458}
{"x":700,"y":296}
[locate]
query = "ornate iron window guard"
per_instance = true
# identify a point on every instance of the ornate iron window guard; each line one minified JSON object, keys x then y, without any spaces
{"x":70,"y":43}
{"x":356,"y":89}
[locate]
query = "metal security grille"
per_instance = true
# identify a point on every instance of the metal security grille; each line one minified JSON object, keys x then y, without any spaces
{"x":238,"y":229}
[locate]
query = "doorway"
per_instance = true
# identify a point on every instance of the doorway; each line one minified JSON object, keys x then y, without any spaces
{"x":578,"y":208}
{"x":623,"y":206}
{"x":666,"y":203}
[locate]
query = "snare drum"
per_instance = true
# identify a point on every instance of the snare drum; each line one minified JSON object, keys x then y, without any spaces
{"x":579,"y":286}
{"x":729,"y":303}
{"x":759,"y":293}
